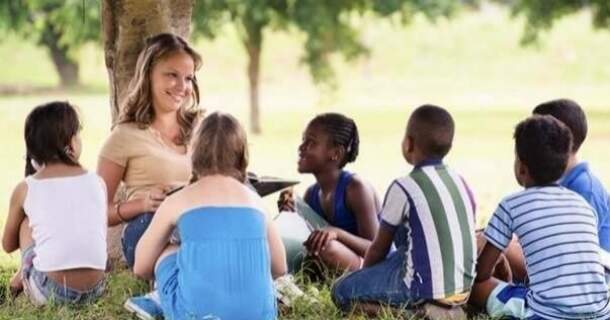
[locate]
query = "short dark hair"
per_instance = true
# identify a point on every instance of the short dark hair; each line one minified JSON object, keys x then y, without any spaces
{"x":571,"y":114}
{"x":48,"y":131}
{"x":432,"y":128}
{"x":543,"y":144}
{"x":220,"y":147}
{"x":342,"y":131}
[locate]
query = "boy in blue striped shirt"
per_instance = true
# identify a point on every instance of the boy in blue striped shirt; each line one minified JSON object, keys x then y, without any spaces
{"x":557,"y":230}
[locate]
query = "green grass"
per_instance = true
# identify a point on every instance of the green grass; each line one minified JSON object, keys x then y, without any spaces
{"x":472,"y":65}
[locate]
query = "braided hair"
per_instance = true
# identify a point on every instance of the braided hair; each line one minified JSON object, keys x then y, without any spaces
{"x":342,"y":131}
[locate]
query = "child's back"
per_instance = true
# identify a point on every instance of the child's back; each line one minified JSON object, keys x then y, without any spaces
{"x":229,"y":249}
{"x":224,"y":256}
{"x":438,"y":213}
{"x":557,"y":231}
{"x":429,"y":216}
{"x":57,"y":215}
{"x":68,"y":220}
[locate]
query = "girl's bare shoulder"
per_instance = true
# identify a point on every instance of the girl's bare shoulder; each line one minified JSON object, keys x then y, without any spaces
{"x":19,"y":192}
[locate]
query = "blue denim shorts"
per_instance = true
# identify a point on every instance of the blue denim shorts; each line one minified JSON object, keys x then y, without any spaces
{"x":41,"y":289}
{"x":133,"y":231}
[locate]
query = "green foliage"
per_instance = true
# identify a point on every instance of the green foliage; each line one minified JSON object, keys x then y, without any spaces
{"x":59,"y":26}
{"x":329,"y":26}
{"x":74,"y":21}
{"x":541,"y":15}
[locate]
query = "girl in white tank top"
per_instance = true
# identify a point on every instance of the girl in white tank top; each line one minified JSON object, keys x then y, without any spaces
{"x":57,"y":215}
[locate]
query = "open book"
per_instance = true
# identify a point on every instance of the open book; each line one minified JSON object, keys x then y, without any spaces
{"x":266,"y":185}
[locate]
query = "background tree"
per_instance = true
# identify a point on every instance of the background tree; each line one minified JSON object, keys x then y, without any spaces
{"x":329,"y":28}
{"x":60,"y":26}
{"x":540,"y":15}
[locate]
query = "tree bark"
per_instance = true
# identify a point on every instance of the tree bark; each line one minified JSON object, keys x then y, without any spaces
{"x":253,"y":43}
{"x":125,"y":26}
{"x":66,"y":67}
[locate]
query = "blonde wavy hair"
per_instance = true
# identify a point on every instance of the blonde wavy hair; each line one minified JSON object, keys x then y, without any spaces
{"x":220,"y":147}
{"x":138,"y":108}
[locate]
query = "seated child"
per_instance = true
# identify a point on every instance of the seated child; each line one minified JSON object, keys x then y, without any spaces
{"x":346,"y":204}
{"x":577,"y":176}
{"x":558,"y":233}
{"x":429,"y":215}
{"x":57,"y":214}
{"x":230,"y":250}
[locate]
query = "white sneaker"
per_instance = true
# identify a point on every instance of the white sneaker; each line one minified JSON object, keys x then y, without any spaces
{"x":146,"y":307}
{"x":287,"y":291}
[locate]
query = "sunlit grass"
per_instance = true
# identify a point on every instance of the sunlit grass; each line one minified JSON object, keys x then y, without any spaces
{"x":472,"y":65}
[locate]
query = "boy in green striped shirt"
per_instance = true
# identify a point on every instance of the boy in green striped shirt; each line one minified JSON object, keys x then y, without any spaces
{"x":429,"y":216}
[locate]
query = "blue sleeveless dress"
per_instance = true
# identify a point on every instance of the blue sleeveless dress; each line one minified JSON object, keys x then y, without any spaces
{"x":343,"y":218}
{"x":222,"y":269}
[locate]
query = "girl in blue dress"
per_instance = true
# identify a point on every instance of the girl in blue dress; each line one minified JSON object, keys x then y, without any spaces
{"x":230,"y":251}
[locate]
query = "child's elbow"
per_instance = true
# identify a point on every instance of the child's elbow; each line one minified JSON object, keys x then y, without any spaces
{"x":142,"y":271}
{"x":278,"y":273}
{"x":279,"y":269}
{"x":8,"y":245}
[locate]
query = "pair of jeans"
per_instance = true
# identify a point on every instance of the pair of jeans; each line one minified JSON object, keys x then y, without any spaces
{"x":133,"y":231}
{"x":381,"y":283}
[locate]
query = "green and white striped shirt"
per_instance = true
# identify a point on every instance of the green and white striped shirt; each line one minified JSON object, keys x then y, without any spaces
{"x":437,"y":208}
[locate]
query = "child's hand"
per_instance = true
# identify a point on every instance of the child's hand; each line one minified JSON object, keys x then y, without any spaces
{"x":152,"y":199}
{"x":319,"y":239}
{"x":286,"y":201}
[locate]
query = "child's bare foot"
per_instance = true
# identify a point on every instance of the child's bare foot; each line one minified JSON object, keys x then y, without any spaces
{"x":16,"y":284}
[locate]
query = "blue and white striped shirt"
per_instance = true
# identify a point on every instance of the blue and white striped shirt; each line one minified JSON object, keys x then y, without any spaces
{"x":558,"y":232}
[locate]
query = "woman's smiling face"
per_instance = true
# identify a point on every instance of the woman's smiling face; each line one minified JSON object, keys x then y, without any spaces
{"x":172,"y":82}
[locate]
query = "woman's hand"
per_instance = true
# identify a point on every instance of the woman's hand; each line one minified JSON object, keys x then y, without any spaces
{"x":319,"y":239}
{"x":152,"y":199}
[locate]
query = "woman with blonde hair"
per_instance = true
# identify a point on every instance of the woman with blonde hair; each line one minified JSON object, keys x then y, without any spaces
{"x":149,"y":148}
{"x":230,"y":249}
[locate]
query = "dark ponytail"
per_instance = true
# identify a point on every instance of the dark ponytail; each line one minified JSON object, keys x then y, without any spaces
{"x":48,"y":132}
{"x":29,"y":168}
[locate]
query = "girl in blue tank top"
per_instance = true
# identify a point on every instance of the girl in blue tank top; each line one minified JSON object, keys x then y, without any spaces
{"x":230,"y":251}
{"x":348,"y":203}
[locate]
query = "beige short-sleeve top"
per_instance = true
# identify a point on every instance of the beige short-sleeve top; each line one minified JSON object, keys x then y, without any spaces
{"x":148,"y":160}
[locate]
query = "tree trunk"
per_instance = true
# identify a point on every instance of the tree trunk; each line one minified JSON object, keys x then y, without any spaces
{"x":66,"y":67}
{"x":253,"y":44}
{"x":125,"y":26}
